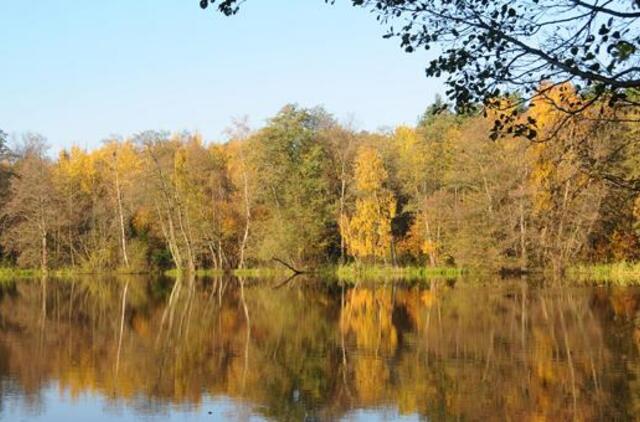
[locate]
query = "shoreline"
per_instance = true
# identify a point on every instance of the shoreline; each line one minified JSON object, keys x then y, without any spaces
{"x":620,"y":273}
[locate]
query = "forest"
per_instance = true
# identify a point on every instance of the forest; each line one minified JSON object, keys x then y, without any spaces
{"x":310,"y":191}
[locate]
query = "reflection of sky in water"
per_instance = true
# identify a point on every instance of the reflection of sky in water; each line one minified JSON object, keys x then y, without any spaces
{"x":378,"y":415}
{"x":54,"y":405}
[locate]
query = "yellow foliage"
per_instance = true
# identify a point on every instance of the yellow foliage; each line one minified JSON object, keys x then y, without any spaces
{"x":545,"y":107}
{"x":120,"y":157}
{"x":77,"y":167}
{"x":368,"y":232}
{"x":370,"y":172}
{"x":412,"y":243}
{"x":143,"y":218}
{"x":428,"y":247}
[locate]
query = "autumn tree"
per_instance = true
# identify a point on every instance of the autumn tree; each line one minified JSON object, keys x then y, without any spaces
{"x":342,"y":145}
{"x":88,"y":233}
{"x":5,"y":169}
{"x":30,"y":214}
{"x":423,"y":156}
{"x":188,"y":191}
{"x":72,"y":173}
{"x":567,"y":201}
{"x":488,"y":200}
{"x":242,"y":173}
{"x":224,"y":218}
{"x":5,"y":155}
{"x":5,"y":173}
{"x":159,"y":154}
{"x":368,"y":231}
{"x":120,"y":166}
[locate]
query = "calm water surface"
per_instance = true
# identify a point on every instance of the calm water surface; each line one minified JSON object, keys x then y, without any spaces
{"x":219,"y":349}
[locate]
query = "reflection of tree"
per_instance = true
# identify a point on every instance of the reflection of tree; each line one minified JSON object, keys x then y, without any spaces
{"x":124,"y":308}
{"x":367,"y":318}
{"x":245,"y":308}
{"x":313,"y":350}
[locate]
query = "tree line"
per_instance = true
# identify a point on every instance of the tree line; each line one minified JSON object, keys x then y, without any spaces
{"x":310,"y":191}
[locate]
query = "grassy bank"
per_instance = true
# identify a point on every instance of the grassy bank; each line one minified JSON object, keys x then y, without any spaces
{"x":265,"y":272}
{"x":262,"y":272}
{"x":13,"y":273}
{"x":9,"y":274}
{"x":379,"y":272}
{"x":345,"y":272}
{"x":620,"y":273}
{"x":200,"y":272}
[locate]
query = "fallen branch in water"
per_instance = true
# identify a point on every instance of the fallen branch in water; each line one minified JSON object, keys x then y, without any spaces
{"x":287,"y":281}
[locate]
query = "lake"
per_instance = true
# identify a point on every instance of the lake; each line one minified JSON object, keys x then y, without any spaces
{"x":305,"y":349}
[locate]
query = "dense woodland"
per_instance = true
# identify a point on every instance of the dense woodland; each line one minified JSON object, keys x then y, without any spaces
{"x":310,"y":191}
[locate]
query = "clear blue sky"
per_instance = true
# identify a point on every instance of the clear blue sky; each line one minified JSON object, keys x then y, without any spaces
{"x":80,"y":71}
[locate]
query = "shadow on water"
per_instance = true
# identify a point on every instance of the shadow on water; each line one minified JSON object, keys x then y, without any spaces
{"x":308,"y":348}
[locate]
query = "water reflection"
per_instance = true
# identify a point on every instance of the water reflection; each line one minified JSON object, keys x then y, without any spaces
{"x":316,"y":350}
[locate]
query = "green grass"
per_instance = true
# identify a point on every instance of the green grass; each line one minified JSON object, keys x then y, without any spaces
{"x":262,"y":272}
{"x":200,"y":272}
{"x":10,"y":273}
{"x":241,"y":272}
{"x":14,"y":273}
{"x":356,"y":272}
{"x":351,"y":272}
{"x":619,"y":273}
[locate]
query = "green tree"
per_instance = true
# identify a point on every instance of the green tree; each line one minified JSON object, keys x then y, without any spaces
{"x":297,"y":186}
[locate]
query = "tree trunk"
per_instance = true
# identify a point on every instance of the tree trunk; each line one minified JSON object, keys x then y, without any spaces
{"x":214,"y":259}
{"x":122,"y":315}
{"x":45,"y":254}
{"x":168,"y":232}
{"x":432,"y":251}
{"x":523,"y":240}
{"x":343,"y":190}
{"x":183,"y":224}
{"x":123,"y":238}
{"x":247,"y":211}
{"x":220,"y":255}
